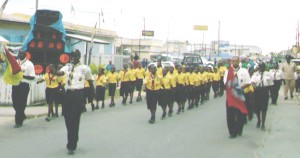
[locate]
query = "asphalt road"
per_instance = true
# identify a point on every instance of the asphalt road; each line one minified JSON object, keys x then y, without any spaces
{"x":124,"y":132}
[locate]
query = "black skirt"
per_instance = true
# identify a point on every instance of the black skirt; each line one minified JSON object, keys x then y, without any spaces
{"x":139,"y":84}
{"x":112,"y":89}
{"x":124,"y":89}
{"x":164,"y":97}
{"x":180,"y":93}
{"x":152,"y":99}
{"x":261,"y":99}
{"x":100,"y":93}
{"x":52,"y":95}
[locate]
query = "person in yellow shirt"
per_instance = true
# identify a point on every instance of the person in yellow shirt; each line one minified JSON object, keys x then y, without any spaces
{"x":209,"y":82}
{"x":152,"y":87}
{"x":132,"y":81}
{"x":52,"y":83}
{"x":89,"y":95}
{"x":159,"y":68}
{"x":173,"y":78}
{"x":203,"y":77}
{"x":165,"y":92}
{"x":191,"y":89}
{"x":124,"y":78}
{"x":197,"y":85}
{"x":221,"y":71}
{"x":100,"y":87}
{"x":112,"y":80}
{"x":180,"y":89}
{"x":216,"y":82}
{"x":140,"y":74}
{"x":186,"y":86}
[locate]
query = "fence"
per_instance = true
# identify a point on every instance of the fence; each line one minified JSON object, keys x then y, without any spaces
{"x":36,"y":94}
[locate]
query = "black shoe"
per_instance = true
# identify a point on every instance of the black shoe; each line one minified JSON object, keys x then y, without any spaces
{"x":285,"y":98}
{"x":258,"y":124}
{"x":97,"y":107}
{"x":232,"y":136}
{"x":263,"y":128}
{"x":137,"y":99}
{"x":152,"y":120}
{"x":292,"y":96}
{"x":47,"y":119}
{"x":163,"y":115}
{"x":130,"y":101}
{"x":71,"y":152}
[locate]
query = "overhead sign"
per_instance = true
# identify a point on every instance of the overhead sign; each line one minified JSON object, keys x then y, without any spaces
{"x":200,"y":27}
{"x":147,"y":33}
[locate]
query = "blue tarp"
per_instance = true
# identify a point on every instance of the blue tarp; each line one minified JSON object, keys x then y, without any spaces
{"x":59,"y":26}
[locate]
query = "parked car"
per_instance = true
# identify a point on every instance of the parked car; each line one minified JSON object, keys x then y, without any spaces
{"x":192,"y":60}
{"x":163,"y":63}
{"x":206,"y":62}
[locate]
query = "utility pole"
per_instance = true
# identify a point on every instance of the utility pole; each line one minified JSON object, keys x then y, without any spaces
{"x":36,"y":5}
{"x":219,"y":39}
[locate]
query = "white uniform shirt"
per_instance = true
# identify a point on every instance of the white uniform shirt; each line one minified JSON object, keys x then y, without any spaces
{"x":76,"y":77}
{"x":242,"y":74}
{"x":28,"y":69}
{"x":262,"y":81}
{"x":277,"y":74}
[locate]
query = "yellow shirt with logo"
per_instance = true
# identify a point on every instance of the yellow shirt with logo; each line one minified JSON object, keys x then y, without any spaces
{"x":124,"y":76}
{"x":112,"y":77}
{"x":153,"y":82}
{"x":52,"y":81}
{"x":101,"y":80}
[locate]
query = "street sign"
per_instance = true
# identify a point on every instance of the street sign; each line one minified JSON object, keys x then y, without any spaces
{"x":147,"y":33}
{"x":200,"y":27}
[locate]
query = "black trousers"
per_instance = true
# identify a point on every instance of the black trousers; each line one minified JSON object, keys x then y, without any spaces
{"x":222,"y":86}
{"x":249,"y":104}
{"x":152,"y":99}
{"x":19,"y":96}
{"x":202,"y":92}
{"x":235,"y":120}
{"x":72,"y":107}
{"x":215,"y":87}
{"x":274,"y":90}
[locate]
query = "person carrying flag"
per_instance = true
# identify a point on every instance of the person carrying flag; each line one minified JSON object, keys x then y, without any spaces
{"x":236,"y":79}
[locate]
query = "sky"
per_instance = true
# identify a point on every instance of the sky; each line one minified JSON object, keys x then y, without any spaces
{"x":270,"y":25}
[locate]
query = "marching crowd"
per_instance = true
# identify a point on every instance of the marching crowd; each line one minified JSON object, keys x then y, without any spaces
{"x":247,"y":90}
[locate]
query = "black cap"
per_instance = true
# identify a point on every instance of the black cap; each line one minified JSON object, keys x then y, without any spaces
{"x":75,"y":52}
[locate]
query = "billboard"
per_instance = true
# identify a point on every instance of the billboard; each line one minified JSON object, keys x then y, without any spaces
{"x":147,"y":33}
{"x":201,"y":27}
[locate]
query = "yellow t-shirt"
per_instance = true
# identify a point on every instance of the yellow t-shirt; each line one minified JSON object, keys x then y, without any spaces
{"x":192,"y":79}
{"x":112,"y":77}
{"x":140,"y":73}
{"x":173,"y":78}
{"x":52,"y":81}
{"x":124,"y":76}
{"x":101,"y":80}
{"x":132,"y":74}
{"x":153,"y":82}
{"x":204,"y":77}
{"x":166,"y":82}
{"x":181,"y":79}
{"x":221,"y":70}
{"x":159,"y":71}
{"x":216,"y":77}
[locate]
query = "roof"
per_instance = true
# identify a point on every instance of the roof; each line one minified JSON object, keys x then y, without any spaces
{"x":87,"y":39}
